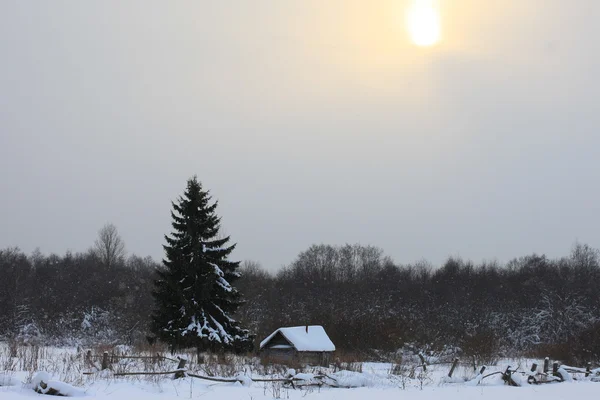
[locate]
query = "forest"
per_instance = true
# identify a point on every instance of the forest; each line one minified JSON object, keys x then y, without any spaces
{"x":368,"y":304}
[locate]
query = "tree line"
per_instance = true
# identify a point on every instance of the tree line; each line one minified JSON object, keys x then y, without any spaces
{"x":367,"y":303}
{"x":532,"y":305}
{"x":74,"y":297}
{"x":363,"y":299}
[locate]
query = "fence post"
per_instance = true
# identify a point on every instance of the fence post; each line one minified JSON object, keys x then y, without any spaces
{"x":546,"y":365}
{"x":423,"y":361}
{"x":531,"y":378}
{"x":454,"y":363}
{"x":588,"y":369}
{"x":180,"y":373}
{"x":507,"y":377}
{"x":555,"y":368}
{"x":533,"y":367}
{"x":105,"y":360}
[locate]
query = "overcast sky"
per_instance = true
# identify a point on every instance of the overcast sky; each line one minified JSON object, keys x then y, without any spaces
{"x":310,"y":121}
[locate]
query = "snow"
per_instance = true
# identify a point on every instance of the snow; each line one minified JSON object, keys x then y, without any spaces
{"x":187,"y":388}
{"x":565,"y":375}
{"x":221,"y":281}
{"x":314,"y":340}
{"x":374,"y":381}
{"x":203,"y":329}
{"x":245,"y":379}
{"x":356,"y":379}
{"x":63,"y":388}
{"x":39,"y":378}
{"x":304,"y":376}
{"x":7,"y":380}
{"x":519,"y":379}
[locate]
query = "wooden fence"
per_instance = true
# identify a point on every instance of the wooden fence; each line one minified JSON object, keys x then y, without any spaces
{"x":533,"y":376}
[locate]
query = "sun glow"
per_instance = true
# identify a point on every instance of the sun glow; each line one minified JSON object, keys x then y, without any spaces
{"x":423,"y":22}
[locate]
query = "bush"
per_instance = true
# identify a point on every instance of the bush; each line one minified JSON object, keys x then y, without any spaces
{"x":579,"y":349}
{"x":483,"y":347}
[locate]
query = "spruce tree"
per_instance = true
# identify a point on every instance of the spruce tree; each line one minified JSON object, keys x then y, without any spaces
{"x":193,"y":293}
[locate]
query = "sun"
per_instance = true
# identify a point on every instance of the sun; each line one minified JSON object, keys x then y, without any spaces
{"x":423,"y":22}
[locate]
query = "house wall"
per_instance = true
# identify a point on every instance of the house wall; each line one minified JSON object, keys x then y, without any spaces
{"x":287,"y":356}
{"x":278,"y":356}
{"x":314,"y":358}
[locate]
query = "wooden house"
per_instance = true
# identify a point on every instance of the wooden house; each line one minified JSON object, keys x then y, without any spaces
{"x":298,"y":344}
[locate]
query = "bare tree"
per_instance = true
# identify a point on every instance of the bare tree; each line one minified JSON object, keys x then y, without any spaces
{"x":253,"y":271}
{"x":109,"y":246}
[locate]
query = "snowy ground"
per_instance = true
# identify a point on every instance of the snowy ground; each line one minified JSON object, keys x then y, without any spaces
{"x":375,"y":380}
{"x":191,"y":388}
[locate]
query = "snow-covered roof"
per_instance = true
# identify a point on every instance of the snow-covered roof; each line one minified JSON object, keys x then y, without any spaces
{"x":303,"y":338}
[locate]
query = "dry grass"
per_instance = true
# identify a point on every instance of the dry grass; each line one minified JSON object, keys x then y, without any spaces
{"x":69,"y":365}
{"x":349,"y":361}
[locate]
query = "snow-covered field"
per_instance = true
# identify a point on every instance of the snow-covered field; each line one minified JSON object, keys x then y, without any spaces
{"x":192,"y":388}
{"x":373,"y":382}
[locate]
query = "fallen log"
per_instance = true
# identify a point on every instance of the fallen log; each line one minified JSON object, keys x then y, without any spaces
{"x":491,"y":374}
{"x":215,"y":379}
{"x":177,"y":371}
{"x":139,"y":373}
{"x":290,"y":379}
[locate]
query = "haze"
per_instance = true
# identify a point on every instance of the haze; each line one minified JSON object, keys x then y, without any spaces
{"x":310,"y":121}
